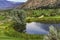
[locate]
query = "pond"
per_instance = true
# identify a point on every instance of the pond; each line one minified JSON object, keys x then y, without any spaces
{"x":39,"y":28}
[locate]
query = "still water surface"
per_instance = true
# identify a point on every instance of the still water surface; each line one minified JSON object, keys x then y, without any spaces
{"x":39,"y":28}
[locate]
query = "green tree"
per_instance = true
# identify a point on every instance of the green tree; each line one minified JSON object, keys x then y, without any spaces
{"x":19,"y":17}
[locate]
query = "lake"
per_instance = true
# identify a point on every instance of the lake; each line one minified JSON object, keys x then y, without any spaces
{"x":39,"y":28}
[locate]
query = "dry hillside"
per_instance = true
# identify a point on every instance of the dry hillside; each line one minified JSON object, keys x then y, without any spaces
{"x":33,"y":4}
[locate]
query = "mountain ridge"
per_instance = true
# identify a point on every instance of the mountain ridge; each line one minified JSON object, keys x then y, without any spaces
{"x":8,"y":5}
{"x":34,"y":4}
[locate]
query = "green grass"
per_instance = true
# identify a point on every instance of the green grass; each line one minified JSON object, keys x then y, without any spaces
{"x":10,"y":38}
{"x":4,"y":37}
{"x":55,"y":19}
{"x":8,"y":33}
{"x":13,"y":35}
{"x":2,"y":17}
{"x":39,"y":12}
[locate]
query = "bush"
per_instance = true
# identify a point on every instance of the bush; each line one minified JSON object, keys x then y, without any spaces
{"x":19,"y":18}
{"x":54,"y":34}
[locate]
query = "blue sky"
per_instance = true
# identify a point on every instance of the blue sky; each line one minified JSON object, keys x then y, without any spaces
{"x":17,"y":0}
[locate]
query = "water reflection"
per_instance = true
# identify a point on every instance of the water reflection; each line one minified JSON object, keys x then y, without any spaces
{"x":35,"y":28}
{"x":39,"y":28}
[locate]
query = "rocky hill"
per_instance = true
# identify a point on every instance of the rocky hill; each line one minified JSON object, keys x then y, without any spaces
{"x":35,"y":4}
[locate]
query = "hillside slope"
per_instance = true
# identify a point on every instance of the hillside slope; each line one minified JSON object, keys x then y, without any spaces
{"x":33,"y":4}
{"x":4,"y":4}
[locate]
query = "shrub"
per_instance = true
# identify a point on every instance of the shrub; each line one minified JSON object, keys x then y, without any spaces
{"x":19,"y":18}
{"x":54,"y":34}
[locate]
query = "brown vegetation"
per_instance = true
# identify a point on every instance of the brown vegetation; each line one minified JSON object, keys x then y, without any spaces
{"x":33,"y":4}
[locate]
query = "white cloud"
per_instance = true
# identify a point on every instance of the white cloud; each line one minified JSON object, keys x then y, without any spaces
{"x":17,"y":0}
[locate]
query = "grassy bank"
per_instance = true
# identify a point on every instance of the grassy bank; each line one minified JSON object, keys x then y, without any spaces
{"x":8,"y":33}
{"x":43,"y":16}
{"x":53,"y":19}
